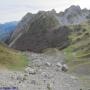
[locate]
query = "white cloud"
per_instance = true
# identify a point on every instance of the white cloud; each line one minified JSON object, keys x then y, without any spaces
{"x":15,"y":9}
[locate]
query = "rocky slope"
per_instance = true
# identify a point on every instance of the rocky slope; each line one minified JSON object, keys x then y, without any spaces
{"x":42,"y":73}
{"x":44,"y":30}
{"x":74,"y":15}
{"x":22,"y":25}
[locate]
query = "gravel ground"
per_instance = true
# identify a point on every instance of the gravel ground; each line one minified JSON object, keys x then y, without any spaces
{"x":42,"y":73}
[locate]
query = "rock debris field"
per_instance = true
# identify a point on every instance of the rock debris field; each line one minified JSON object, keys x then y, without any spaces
{"x":44,"y":72}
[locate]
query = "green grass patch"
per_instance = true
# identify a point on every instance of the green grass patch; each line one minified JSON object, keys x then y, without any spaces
{"x":12,"y":59}
{"x":78,"y":53}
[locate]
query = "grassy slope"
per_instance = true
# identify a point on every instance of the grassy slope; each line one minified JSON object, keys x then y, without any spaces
{"x":11,"y":59}
{"x":78,"y":53}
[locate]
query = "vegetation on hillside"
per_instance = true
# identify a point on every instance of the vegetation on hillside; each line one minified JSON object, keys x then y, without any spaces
{"x":44,"y":21}
{"x":78,"y":53}
{"x":80,"y":45}
{"x":11,"y":59}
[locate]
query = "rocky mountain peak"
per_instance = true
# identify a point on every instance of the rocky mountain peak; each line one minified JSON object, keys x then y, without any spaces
{"x":53,"y":11}
{"x":40,"y":31}
{"x":27,"y":16}
{"x":23,"y":24}
{"x":73,"y":15}
{"x":73,"y":10}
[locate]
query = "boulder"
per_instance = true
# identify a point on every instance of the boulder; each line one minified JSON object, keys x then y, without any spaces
{"x":64,"y":68}
{"x":30,"y":70}
{"x":58,"y":64}
{"x":48,"y":64}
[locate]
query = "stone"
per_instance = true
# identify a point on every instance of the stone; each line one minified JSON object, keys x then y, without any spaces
{"x":48,"y":64}
{"x":64,"y":68}
{"x":25,"y":75}
{"x":74,"y":78}
{"x":33,"y":82}
{"x":59,"y":64}
{"x":30,"y":70}
{"x":21,"y":78}
{"x":49,"y":86}
{"x":24,"y":78}
{"x":44,"y":74}
{"x":58,"y":69}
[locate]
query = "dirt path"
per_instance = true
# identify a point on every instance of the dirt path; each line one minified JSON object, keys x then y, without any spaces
{"x":42,"y":73}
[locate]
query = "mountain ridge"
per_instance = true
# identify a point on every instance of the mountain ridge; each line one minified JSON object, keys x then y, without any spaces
{"x":51,"y":41}
{"x":38,"y":26}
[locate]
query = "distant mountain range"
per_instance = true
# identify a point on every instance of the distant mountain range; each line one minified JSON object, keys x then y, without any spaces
{"x":74,"y":15}
{"x":6,"y":30}
{"x":49,"y":29}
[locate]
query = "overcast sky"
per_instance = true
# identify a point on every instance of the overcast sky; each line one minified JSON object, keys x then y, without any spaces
{"x":12,"y":10}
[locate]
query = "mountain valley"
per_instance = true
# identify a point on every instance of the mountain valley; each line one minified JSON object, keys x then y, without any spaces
{"x":47,"y":51}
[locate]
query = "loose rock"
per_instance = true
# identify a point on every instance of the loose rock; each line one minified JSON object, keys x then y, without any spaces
{"x":48,"y":64}
{"x":59,"y":64}
{"x":30,"y":70}
{"x":64,"y":68}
